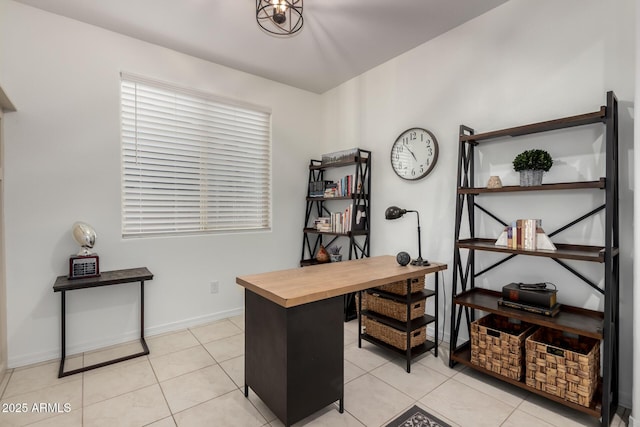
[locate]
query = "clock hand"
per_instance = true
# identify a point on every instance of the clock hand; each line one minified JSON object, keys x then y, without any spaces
{"x":414,"y":156}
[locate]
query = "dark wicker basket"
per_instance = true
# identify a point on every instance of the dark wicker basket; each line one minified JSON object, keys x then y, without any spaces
{"x":394,"y":309}
{"x":497,"y":344}
{"x":566,"y":366}
{"x":393,"y":336}
{"x":400,"y":287}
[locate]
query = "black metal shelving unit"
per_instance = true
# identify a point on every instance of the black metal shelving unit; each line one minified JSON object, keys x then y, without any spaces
{"x":358,"y":240}
{"x":467,"y":299}
{"x":407,"y":327}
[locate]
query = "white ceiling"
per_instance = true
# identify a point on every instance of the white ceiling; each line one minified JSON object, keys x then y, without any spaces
{"x":340,"y":38}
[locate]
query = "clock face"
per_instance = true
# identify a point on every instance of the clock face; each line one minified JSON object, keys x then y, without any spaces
{"x":414,"y":154}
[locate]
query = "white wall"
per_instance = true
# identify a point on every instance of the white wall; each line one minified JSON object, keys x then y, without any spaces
{"x":63,"y":165}
{"x":520,"y":63}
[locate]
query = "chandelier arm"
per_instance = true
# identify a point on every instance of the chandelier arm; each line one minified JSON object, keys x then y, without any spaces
{"x":280,"y":17}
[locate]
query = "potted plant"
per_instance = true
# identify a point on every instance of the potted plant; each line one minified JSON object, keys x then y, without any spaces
{"x":531,"y":164}
{"x":334,"y":253}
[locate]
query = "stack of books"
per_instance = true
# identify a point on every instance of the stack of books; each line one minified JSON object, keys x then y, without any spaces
{"x":535,"y":298}
{"x":525,"y":234}
{"x":337,"y":222}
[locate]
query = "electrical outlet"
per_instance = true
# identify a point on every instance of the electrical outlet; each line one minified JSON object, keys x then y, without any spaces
{"x":214,"y":287}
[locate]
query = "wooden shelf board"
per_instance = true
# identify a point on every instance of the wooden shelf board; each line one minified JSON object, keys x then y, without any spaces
{"x":354,"y":233}
{"x":564,"y":251}
{"x":414,"y":297}
{"x":324,"y":199}
{"x":563,"y":123}
{"x":463,"y":355}
{"x":576,"y":320}
{"x":398,"y":324}
{"x":415,"y":351}
{"x":600,"y":184}
{"x":357,"y":160}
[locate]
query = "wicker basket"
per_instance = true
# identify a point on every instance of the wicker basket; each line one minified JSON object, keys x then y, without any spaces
{"x":393,"y":336}
{"x":497,"y":344}
{"x":565,"y":366}
{"x":390,"y":308}
{"x":400,"y":287}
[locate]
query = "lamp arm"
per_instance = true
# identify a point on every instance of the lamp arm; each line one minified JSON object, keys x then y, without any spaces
{"x":418,"y":214}
{"x":419,"y":237}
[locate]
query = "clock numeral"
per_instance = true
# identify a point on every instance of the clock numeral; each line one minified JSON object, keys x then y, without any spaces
{"x":412,"y":136}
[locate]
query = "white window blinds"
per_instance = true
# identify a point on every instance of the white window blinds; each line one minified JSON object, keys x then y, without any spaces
{"x":192,"y":163}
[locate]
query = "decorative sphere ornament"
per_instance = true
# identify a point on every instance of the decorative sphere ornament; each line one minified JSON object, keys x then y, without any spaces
{"x":403,"y":258}
{"x":85,"y":236}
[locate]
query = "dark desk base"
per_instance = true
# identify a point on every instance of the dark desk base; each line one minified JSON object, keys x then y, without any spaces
{"x":294,"y":357}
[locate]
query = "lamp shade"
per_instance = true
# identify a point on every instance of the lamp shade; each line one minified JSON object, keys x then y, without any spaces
{"x":394,"y":212}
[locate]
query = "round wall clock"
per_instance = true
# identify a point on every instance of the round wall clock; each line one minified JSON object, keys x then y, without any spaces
{"x":414,"y":154}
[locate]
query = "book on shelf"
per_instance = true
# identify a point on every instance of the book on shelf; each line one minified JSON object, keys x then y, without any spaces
{"x":336,"y":222}
{"x":327,"y":189}
{"x":322,"y":223}
{"x":316,"y":188}
{"x":545,"y":311}
{"x":525,"y":234}
{"x":533,"y":294}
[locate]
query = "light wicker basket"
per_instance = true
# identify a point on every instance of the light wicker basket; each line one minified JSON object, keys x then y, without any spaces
{"x":393,"y":336}
{"x":394,"y":309}
{"x":400,"y":287}
{"x":566,"y":366}
{"x":497,"y":344}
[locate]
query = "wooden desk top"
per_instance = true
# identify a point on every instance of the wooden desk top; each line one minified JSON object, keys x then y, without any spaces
{"x":297,"y":286}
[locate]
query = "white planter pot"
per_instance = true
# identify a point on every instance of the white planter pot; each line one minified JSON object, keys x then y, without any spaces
{"x":530,"y":177}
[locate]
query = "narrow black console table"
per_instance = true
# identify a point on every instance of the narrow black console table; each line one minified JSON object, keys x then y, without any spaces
{"x":115,"y":277}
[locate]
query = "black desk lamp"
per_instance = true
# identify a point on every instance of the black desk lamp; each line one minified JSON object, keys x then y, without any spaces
{"x":394,"y":212}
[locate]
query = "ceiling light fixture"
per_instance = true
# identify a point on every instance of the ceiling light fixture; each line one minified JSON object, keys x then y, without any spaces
{"x":279,"y":17}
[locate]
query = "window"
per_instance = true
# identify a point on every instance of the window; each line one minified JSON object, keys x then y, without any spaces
{"x":192,"y":162}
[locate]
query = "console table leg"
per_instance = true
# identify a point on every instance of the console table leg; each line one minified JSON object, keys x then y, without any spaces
{"x":246,"y":390}
{"x":341,"y":409}
{"x":142,"y":309}
{"x":63,"y":327}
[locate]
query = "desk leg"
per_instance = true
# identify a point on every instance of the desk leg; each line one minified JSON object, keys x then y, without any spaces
{"x":435,"y":334}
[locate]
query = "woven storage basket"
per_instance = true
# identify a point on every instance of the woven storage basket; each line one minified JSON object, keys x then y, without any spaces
{"x":400,"y":287}
{"x":497,"y":344}
{"x":394,"y":309}
{"x":565,"y":366}
{"x":393,"y":336}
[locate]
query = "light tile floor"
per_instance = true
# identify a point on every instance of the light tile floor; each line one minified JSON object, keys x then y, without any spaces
{"x":194,"y":377}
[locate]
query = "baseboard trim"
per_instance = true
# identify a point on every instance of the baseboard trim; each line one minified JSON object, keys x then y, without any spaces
{"x":54,"y":353}
{"x":632,"y":422}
